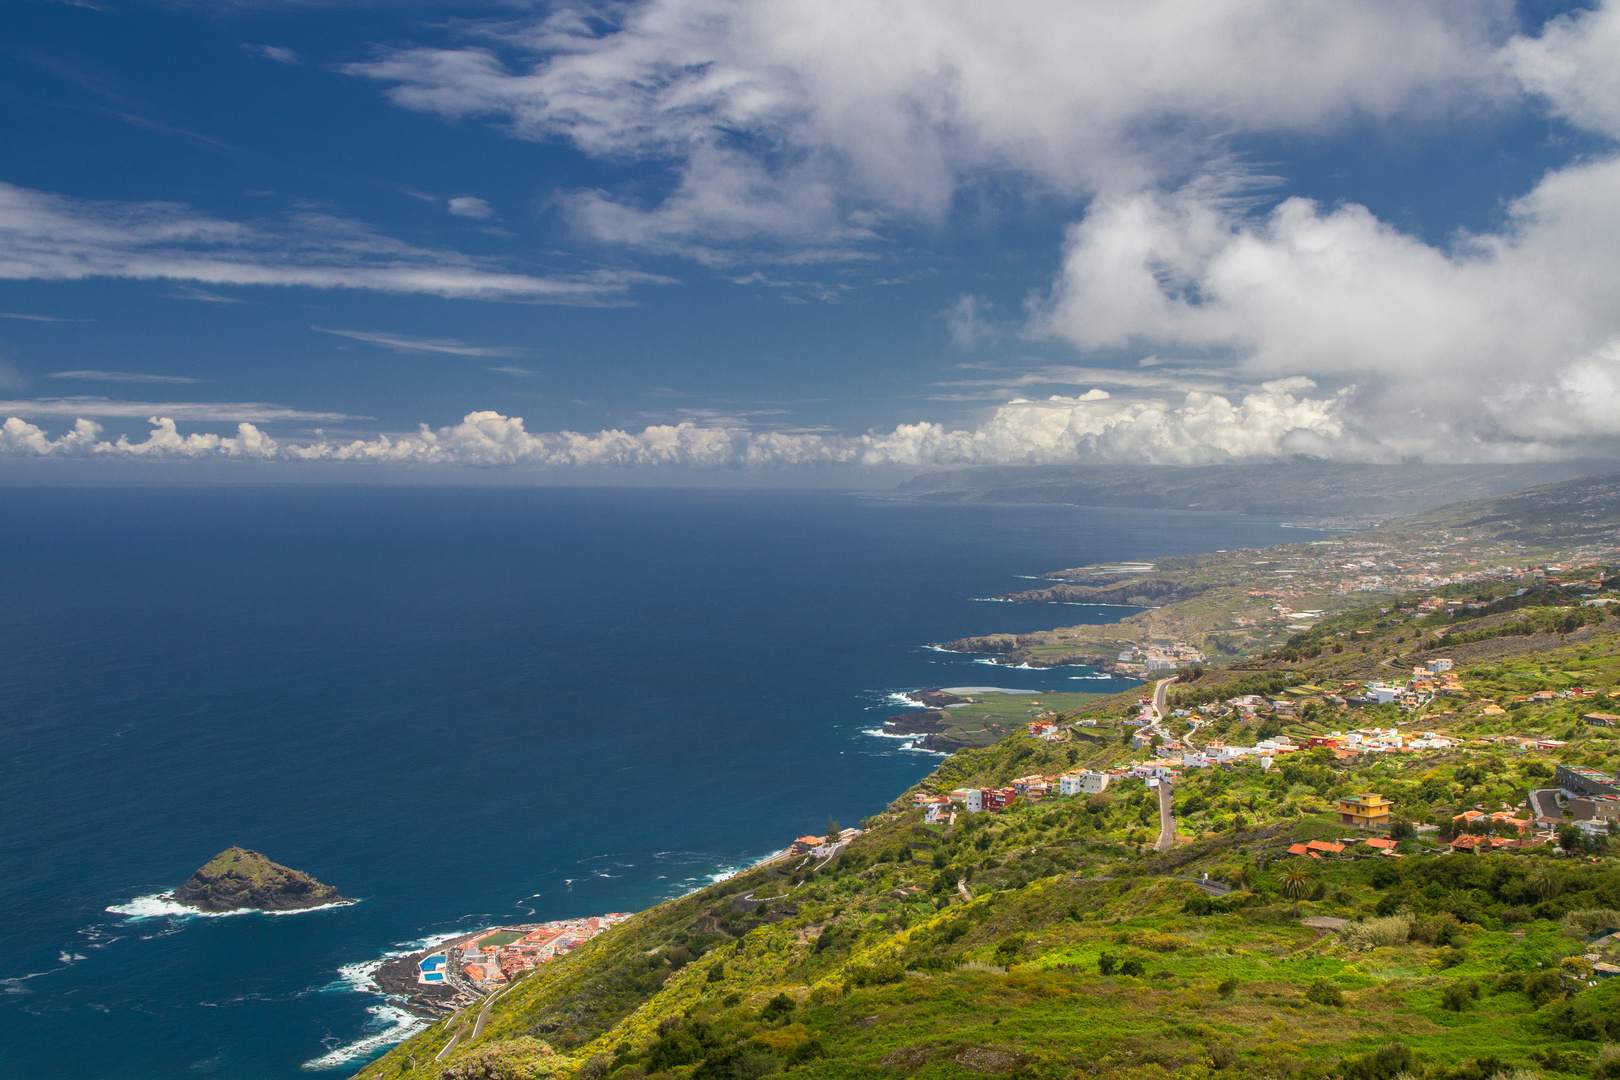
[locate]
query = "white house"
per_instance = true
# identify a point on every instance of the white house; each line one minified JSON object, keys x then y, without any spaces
{"x":1437,"y":666}
{"x":1085,"y":783}
{"x":971,"y":798}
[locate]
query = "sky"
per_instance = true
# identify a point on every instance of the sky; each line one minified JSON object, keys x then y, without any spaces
{"x":807,"y":236}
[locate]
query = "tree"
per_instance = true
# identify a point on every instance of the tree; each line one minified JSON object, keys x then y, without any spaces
{"x":832,"y":831}
{"x":1297,"y":884}
{"x":1543,"y":881}
{"x":1569,"y":838}
{"x":1401,"y":829}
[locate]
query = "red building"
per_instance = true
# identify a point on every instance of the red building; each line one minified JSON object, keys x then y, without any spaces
{"x":997,"y":798}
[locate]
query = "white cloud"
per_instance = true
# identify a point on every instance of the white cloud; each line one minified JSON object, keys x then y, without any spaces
{"x":966,"y":321}
{"x":809,"y":123}
{"x":279,"y":53}
{"x":121,"y":376}
{"x":1575,"y":65}
{"x":467,"y":206}
{"x":1500,"y":344}
{"x":405,"y":343}
{"x":203,"y":411}
{"x":1272,"y":420}
{"x":37,"y":318}
{"x":53,"y":238}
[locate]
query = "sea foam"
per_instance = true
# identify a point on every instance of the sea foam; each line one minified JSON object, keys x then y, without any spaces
{"x":397,"y":1026}
{"x":163,"y":905}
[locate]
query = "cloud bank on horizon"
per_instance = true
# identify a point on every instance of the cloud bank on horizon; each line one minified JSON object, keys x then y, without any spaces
{"x":816,"y":132}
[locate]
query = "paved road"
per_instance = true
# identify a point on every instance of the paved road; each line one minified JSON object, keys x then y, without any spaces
{"x":1167,"y":822}
{"x":1158,"y":697}
{"x":483,"y":1014}
{"x":1545,"y":804}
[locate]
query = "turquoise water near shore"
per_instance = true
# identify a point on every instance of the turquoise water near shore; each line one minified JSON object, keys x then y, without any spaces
{"x":460,"y":706}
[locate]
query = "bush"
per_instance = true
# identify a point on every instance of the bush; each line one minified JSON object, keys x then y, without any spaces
{"x":1384,"y":1063}
{"x":857,"y":975}
{"x":1442,"y":929}
{"x":776,"y":1008}
{"x":1010,"y":946}
{"x":1325,"y":993}
{"x":1131,"y":966}
{"x":1584,"y":924}
{"x":523,"y":1058}
{"x":1228,"y":987}
{"x":1377,"y":933}
{"x":1459,"y":995}
{"x":1593,"y":1015}
{"x":1107,"y":964}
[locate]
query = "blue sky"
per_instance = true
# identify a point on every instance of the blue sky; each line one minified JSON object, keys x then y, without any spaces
{"x":689,"y":234}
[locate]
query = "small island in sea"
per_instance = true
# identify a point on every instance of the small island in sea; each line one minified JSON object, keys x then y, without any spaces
{"x":238,"y":879}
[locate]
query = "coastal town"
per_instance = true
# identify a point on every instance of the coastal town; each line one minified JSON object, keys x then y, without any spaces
{"x":453,"y":974}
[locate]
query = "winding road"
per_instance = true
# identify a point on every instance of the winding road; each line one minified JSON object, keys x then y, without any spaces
{"x":1167,"y":821}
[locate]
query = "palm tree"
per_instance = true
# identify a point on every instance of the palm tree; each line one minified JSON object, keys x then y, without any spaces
{"x":1543,"y":881}
{"x":1297,"y":884}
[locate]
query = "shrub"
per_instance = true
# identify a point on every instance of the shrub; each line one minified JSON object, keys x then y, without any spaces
{"x":1325,"y":993}
{"x":1107,"y":964}
{"x":1010,"y":946}
{"x":1442,"y":929}
{"x":1228,"y":986}
{"x":1131,"y":966}
{"x":1593,"y":1015}
{"x":778,"y":1007}
{"x":1586,"y":923}
{"x":1377,"y":933}
{"x":857,"y":975}
{"x":1384,"y":1063}
{"x":1459,"y":995}
{"x":523,"y":1058}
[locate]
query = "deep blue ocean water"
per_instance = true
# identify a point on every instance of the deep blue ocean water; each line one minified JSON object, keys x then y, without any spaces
{"x":461,"y":706}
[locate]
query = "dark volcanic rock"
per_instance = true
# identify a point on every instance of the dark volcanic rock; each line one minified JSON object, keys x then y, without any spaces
{"x":237,"y":878}
{"x":937,"y":699}
{"x":914,"y":723}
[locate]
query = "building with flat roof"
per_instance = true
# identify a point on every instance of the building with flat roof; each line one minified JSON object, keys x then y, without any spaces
{"x":1579,"y":780}
{"x":1365,"y":811}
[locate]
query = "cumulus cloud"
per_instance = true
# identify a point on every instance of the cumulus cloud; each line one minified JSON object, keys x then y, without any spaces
{"x":1573,"y":65}
{"x":1275,"y":419}
{"x":54,"y":238}
{"x":810,"y":123}
{"x":1499,"y":344}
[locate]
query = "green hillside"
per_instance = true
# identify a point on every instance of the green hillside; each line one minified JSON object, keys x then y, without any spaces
{"x":1053,"y":940}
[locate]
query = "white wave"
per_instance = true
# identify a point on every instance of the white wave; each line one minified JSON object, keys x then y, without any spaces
{"x":163,"y":905}
{"x":879,"y":733}
{"x":401,"y":1025}
{"x":897,"y":698}
{"x":1103,"y":677}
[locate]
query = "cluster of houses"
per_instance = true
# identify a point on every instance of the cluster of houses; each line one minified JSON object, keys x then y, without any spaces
{"x":992,"y":799}
{"x":1167,"y":657}
{"x":500,"y":954}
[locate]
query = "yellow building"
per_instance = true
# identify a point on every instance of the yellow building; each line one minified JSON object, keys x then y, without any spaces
{"x":1365,"y":811}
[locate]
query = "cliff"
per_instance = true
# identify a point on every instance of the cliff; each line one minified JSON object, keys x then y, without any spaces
{"x":237,"y":878}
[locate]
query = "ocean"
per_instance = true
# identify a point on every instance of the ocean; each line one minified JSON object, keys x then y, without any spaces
{"x":460,"y":706}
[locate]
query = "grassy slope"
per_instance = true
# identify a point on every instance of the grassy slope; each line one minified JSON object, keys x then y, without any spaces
{"x":878,"y":967}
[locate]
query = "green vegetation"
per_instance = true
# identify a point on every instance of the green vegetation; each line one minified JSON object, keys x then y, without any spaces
{"x":1051,"y":940}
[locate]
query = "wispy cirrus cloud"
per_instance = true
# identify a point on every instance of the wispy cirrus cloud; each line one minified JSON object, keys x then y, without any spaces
{"x":253,"y":412}
{"x":121,"y":376}
{"x":406,"y":343}
{"x":55,"y":238}
{"x":24,"y":316}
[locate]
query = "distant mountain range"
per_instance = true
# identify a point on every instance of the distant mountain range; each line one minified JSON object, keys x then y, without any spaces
{"x":1307,"y":490}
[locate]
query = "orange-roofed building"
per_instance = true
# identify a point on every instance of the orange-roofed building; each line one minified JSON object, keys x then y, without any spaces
{"x":1323,"y":845}
{"x":1381,"y":843}
{"x":1299,"y":849}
